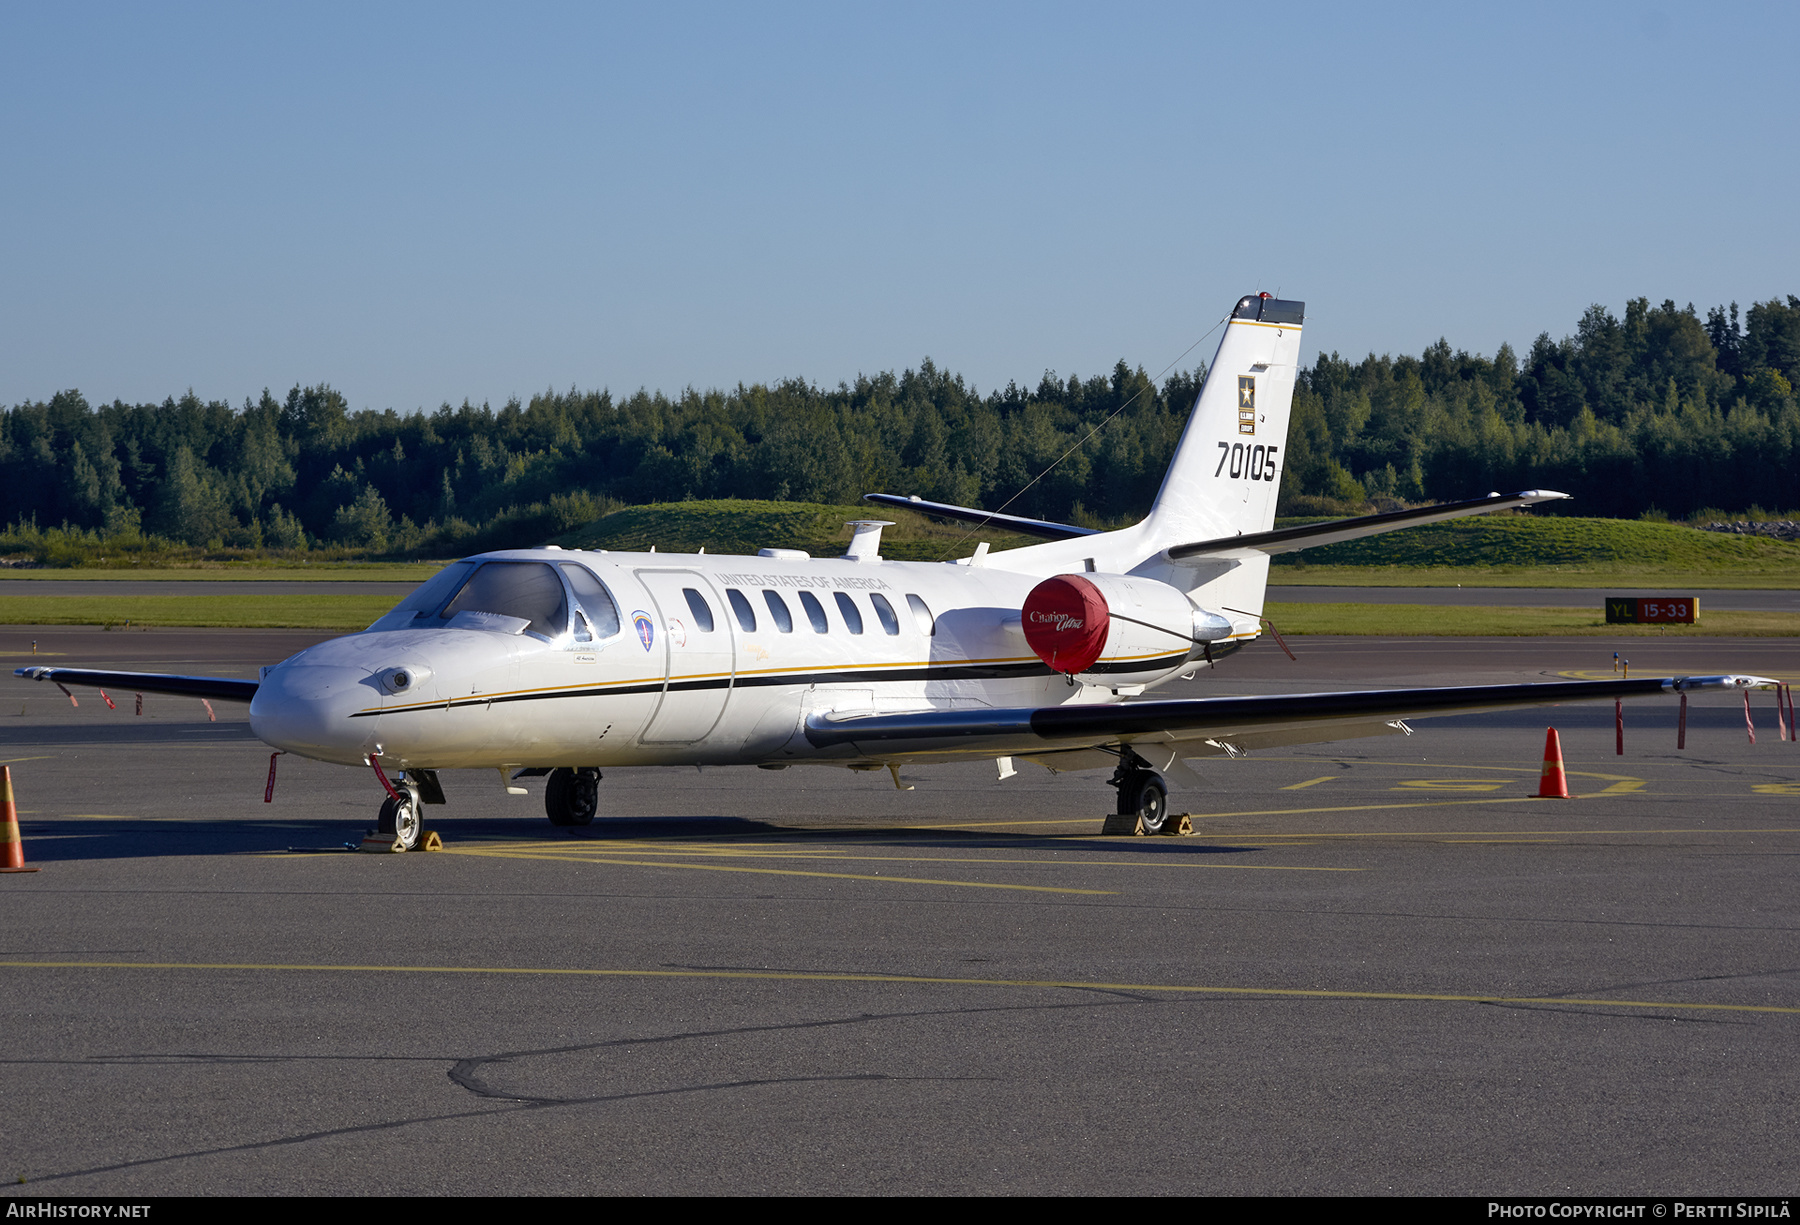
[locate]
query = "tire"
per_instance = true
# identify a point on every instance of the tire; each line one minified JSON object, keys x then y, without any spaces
{"x":571,"y":797}
{"x":401,"y":820}
{"x":1150,"y":801}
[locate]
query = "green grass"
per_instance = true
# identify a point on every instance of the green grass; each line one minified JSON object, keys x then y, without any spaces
{"x":1546,"y":551}
{"x":349,"y":613}
{"x":336,"y":572}
{"x":1434,"y":620}
{"x":743,"y":527}
{"x":321,"y":612}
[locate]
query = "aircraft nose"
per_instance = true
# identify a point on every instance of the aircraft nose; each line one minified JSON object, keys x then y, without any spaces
{"x":328,"y":711}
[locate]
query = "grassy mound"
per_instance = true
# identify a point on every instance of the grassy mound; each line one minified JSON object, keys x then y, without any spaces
{"x":1533,"y":550}
{"x":743,"y":527}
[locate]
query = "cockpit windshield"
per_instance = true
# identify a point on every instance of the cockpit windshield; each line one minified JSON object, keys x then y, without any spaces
{"x":426,"y":598}
{"x":513,"y":597}
{"x":528,"y":590}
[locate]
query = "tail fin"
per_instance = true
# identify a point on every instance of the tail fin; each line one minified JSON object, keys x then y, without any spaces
{"x":1226,"y":473}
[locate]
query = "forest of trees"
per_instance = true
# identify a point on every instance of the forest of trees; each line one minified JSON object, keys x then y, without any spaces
{"x":1660,"y":411}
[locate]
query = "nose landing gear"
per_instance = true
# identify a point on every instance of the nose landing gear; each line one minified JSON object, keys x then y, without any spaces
{"x":400,"y":825}
{"x":399,"y":820}
{"x":572,"y":797}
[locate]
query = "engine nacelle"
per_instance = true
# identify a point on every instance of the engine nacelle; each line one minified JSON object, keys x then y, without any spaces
{"x":1113,"y":629}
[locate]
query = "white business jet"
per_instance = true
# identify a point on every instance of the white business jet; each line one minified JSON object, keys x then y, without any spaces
{"x":565,"y":663}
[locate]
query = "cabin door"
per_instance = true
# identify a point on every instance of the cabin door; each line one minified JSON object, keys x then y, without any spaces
{"x":698,"y":655}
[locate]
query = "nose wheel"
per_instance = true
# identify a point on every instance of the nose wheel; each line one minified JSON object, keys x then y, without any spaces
{"x":572,"y":797}
{"x":400,"y":820}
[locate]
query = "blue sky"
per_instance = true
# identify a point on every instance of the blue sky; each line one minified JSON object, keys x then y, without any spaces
{"x":426,"y":203}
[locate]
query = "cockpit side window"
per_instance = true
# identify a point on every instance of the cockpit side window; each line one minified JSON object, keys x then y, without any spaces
{"x":525,"y":589}
{"x":595,"y":599}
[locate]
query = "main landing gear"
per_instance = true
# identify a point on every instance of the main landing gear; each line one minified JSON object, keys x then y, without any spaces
{"x":1143,"y":796}
{"x":572,"y":797}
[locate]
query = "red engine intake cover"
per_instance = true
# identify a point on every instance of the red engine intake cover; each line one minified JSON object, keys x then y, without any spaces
{"x":1066,"y":622}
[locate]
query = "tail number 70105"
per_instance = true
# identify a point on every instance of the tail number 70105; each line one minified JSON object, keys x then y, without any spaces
{"x":1257,"y":462}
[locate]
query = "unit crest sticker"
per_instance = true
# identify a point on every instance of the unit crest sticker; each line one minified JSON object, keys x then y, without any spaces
{"x":646,"y":628}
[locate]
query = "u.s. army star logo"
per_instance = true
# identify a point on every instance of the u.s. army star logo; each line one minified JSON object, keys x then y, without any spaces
{"x":1247,"y":391}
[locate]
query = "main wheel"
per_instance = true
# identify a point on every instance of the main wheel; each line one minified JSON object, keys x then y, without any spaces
{"x":572,"y":797}
{"x":401,"y":820}
{"x":1150,"y":801}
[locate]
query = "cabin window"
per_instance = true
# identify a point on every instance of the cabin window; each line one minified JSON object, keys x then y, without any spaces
{"x":526,"y":589}
{"x":884,"y":612}
{"x":746,"y":616}
{"x":847,"y":606}
{"x":922,"y":615}
{"x":703,"y":618}
{"x":778,"y":609}
{"x":594,"y":598}
{"x":814,"y":612}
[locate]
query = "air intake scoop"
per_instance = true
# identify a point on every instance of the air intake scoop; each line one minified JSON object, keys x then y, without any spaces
{"x":1066,"y":622}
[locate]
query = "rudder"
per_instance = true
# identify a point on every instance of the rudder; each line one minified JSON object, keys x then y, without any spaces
{"x":1226,"y":473}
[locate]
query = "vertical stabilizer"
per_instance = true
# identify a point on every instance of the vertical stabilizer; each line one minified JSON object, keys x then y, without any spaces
{"x":1226,"y":473}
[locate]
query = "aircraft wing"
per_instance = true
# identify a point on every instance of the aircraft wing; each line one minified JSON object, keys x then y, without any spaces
{"x":223,"y":687}
{"x":1041,"y":528}
{"x":1311,"y":535}
{"x":1212,"y":724}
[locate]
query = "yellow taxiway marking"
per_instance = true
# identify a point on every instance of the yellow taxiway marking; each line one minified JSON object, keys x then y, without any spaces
{"x":1311,"y":782}
{"x":1447,"y":784}
{"x":1303,"y":993}
{"x":1270,"y":812}
{"x":13,"y":761}
{"x":719,"y":867}
{"x":1549,"y":834}
{"x":609,"y":852}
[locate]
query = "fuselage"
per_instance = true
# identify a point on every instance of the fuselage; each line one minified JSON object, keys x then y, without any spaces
{"x":569,"y":658}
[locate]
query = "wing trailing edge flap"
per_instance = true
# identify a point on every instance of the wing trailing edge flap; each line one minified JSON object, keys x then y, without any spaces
{"x":223,"y":688}
{"x":1041,"y":528}
{"x":1209,"y":726}
{"x":1311,"y":535}
{"x":1224,"y":746}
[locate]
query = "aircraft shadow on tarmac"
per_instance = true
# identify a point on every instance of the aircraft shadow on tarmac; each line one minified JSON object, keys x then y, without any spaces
{"x":52,"y":840}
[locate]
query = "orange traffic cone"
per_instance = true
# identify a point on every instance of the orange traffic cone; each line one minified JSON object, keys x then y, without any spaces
{"x":1555,"y":784}
{"x":12,"y":851}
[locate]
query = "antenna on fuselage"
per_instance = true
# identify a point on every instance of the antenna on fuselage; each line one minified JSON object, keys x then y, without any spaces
{"x":865,"y":544}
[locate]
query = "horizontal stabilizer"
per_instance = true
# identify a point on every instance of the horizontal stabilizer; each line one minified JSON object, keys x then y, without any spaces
{"x":1041,"y":528}
{"x":1311,"y":535}
{"x":1025,"y":730}
{"x":221,"y":687}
